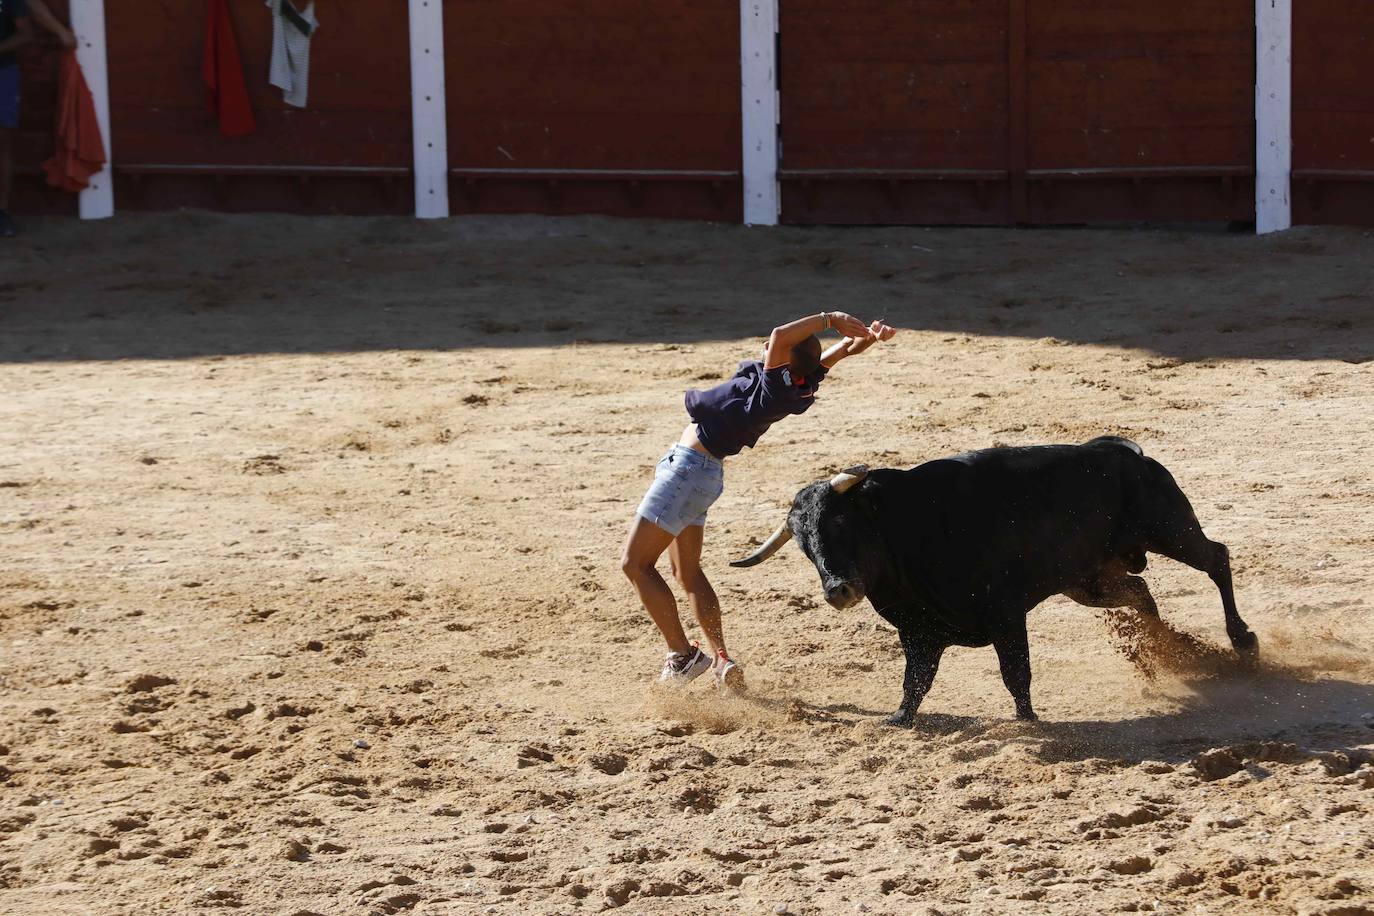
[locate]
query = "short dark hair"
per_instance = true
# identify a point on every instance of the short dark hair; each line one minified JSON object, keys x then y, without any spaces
{"x":806,"y":357}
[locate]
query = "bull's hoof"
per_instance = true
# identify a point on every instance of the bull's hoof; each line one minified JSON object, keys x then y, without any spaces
{"x":901,"y":719}
{"x":1247,"y":648}
{"x":1027,"y":715}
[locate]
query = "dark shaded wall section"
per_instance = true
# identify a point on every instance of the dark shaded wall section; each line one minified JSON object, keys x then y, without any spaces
{"x":348,"y":151}
{"x":594,"y":106}
{"x":1017,"y":111}
{"x":1333,"y":112}
{"x":923,"y":111}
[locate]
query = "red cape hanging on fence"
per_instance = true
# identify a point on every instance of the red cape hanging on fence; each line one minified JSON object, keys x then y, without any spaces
{"x":223,"y":74}
{"x":80,"y":149}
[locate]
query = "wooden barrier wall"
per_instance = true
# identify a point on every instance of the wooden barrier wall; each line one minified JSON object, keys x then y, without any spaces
{"x":1139,"y":110}
{"x":1333,"y":112}
{"x":921,"y":111}
{"x":894,"y":113}
{"x":1000,"y":111}
{"x":349,"y":151}
{"x":600,"y":106}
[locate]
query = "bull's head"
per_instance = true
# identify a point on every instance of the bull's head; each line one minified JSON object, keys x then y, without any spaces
{"x":833,"y":534}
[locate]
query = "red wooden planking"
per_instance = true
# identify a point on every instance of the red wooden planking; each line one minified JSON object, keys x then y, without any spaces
{"x":1106,"y":27}
{"x":1130,"y":83}
{"x":897,"y":94}
{"x":592,"y":84}
{"x":896,"y":149}
{"x":1018,"y":106}
{"x":1159,"y":200}
{"x":1339,"y":140}
{"x":1140,"y":113}
{"x":1333,"y":85}
{"x":657,"y":199}
{"x":1017,"y":85}
{"x":855,"y":202}
{"x":188,"y":137}
{"x":1333,"y":60}
{"x":356,"y":196}
{"x":359,"y":59}
{"x":1139,"y":93}
{"x":358,"y":113}
{"x":1333,"y":202}
{"x":1333,"y":111}
{"x":869,"y":84}
{"x":928,"y":30}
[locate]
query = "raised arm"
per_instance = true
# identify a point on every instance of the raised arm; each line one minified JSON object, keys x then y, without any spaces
{"x":787,"y":336}
{"x":50,"y":22}
{"x":853,"y":346}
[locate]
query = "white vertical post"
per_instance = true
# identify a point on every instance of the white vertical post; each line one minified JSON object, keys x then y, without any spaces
{"x":428,"y":110}
{"x":1273,"y":114}
{"x":88,"y":24}
{"x":759,"y":108}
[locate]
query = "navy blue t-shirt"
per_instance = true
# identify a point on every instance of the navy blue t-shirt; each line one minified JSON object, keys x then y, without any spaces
{"x":731,"y":416}
{"x":10,"y":10}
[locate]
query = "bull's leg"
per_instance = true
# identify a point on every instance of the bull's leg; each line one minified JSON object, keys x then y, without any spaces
{"x":1119,"y":591}
{"x":1176,"y":533}
{"x":922,"y":661}
{"x":1193,"y":548}
{"x":1013,"y":656}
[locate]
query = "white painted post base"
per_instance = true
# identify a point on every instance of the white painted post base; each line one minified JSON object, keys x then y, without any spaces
{"x":428,"y":109}
{"x":1273,"y":115}
{"x":759,"y":110}
{"x":88,"y":24}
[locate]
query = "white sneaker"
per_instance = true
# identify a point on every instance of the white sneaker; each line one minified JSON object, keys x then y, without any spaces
{"x":679,"y":670}
{"x":729,"y":676}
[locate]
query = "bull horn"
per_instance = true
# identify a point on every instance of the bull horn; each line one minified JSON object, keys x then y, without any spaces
{"x":849,"y":478}
{"x":770,"y":547}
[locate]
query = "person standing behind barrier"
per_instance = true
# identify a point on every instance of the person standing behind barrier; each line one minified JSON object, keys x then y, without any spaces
{"x":15,"y":32}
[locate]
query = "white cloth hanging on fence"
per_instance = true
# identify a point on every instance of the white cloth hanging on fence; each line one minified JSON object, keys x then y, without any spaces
{"x":292,"y":30}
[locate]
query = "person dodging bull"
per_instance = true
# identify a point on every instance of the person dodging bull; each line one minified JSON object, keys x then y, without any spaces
{"x":725,"y":420}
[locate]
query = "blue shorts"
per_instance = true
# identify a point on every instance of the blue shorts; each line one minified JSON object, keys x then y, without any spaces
{"x":9,"y":96}
{"x":686,"y":482}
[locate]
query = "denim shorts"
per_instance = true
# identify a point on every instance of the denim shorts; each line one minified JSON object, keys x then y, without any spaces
{"x":686,"y":482}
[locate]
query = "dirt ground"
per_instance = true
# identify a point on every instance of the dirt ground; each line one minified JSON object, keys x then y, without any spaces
{"x":310,"y":598}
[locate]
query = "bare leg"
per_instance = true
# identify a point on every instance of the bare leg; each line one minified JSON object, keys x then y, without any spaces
{"x":922,"y":661}
{"x":6,"y":166}
{"x":644,"y":545}
{"x":685,"y":556}
{"x":1013,"y":656}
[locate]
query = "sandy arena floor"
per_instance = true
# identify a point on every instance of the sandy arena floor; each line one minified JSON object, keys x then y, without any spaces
{"x":310,"y":598}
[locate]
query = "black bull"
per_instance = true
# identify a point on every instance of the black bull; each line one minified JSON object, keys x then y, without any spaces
{"x":957,"y":551}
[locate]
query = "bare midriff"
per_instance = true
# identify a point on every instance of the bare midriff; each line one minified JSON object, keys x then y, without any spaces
{"x":689,"y":439}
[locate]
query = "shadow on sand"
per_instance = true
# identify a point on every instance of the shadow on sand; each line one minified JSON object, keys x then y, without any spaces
{"x":1239,"y":710}
{"x":188,"y":284}
{"x":1317,"y":715}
